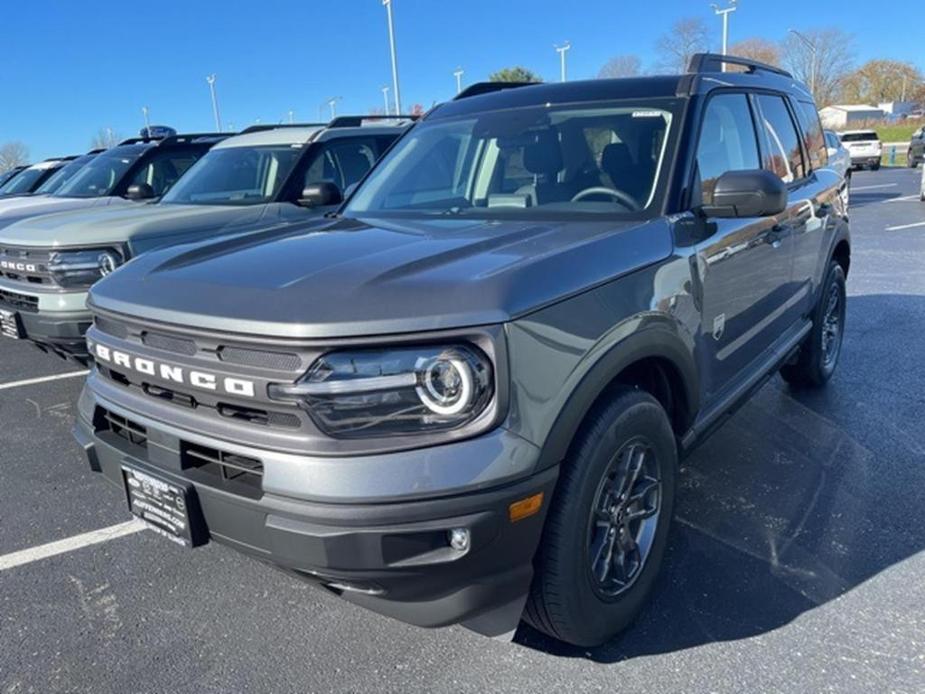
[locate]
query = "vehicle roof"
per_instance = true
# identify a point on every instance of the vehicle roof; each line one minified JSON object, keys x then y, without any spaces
{"x":862,"y":131}
{"x":276,"y":136}
{"x":650,"y":87}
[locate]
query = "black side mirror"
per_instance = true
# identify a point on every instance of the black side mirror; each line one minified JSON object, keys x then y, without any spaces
{"x":140,"y":191}
{"x":322,"y":194}
{"x":752,"y":193}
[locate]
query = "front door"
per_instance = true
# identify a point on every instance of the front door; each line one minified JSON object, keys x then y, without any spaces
{"x":744,"y":265}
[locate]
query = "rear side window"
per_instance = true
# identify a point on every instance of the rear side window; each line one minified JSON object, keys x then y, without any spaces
{"x":782,"y":150}
{"x":813,"y":139}
{"x":727,"y":140}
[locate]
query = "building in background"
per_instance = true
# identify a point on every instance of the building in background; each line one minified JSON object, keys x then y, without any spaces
{"x":843,"y":116}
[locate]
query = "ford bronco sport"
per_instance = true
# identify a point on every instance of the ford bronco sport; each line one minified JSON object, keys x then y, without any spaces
{"x":463,"y":398}
{"x":268,"y":175}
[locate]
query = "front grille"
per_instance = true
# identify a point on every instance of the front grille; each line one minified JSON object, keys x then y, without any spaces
{"x":239,"y":473}
{"x":106,"y":421}
{"x":111,"y":327}
{"x":20,"y":302}
{"x":280,"y":361}
{"x":168,"y":343}
{"x":26,"y":265}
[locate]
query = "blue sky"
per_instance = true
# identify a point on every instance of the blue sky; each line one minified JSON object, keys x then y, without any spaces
{"x":72,"y":67}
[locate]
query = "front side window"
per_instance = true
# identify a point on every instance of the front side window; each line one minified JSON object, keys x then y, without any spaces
{"x":530,"y":161}
{"x":727,"y":140}
{"x":235,"y":176}
{"x":783,"y":154}
{"x":101,"y":175}
{"x":813,"y":139}
{"x":63,"y":175}
{"x":342,"y":162}
{"x":163,"y":169}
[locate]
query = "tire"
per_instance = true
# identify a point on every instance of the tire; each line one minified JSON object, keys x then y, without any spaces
{"x":821,"y":350}
{"x":875,"y":167}
{"x":566,"y":601}
{"x":910,"y":160}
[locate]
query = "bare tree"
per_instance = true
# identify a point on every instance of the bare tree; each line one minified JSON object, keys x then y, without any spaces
{"x":759,"y":49}
{"x":105,"y":138}
{"x":834,"y":58}
{"x":621,"y":66}
{"x":685,"y":38}
{"x":881,"y":80}
{"x":13,"y":154}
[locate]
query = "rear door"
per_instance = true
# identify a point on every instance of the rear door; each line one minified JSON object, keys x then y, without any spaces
{"x":744,"y":264}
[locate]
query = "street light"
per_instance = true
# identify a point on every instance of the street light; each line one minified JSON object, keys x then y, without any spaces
{"x":385,"y":98}
{"x":458,"y":73}
{"x":218,"y":120}
{"x":144,"y":111}
{"x":290,"y":116}
{"x":724,"y":12}
{"x":561,"y":51}
{"x":332,"y":103}
{"x":388,"y":11}
{"x":812,"y":70}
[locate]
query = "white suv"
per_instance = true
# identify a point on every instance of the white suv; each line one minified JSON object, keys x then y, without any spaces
{"x":865,"y":148}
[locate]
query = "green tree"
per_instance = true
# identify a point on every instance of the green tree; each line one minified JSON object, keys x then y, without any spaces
{"x":881,"y":80}
{"x":515,"y":74}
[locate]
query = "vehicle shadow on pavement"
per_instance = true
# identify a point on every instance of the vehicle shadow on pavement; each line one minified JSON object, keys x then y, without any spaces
{"x":799,"y":498}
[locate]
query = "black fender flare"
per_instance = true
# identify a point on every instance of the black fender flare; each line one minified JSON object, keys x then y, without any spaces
{"x":657,"y":339}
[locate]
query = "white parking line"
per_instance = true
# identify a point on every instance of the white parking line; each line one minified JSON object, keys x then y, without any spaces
{"x":94,"y":537}
{"x":906,"y":226}
{"x":43,"y":379}
{"x":879,"y":185}
{"x":905,"y":198}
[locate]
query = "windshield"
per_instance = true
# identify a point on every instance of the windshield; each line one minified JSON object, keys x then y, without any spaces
{"x":859,"y":137}
{"x":100,"y":175}
{"x":236,"y":176}
{"x":63,"y":175}
{"x":24,"y":182}
{"x":529,"y":162}
{"x":7,"y":175}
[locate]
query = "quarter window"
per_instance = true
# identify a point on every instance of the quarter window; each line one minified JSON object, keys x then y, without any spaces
{"x":813,"y":139}
{"x":782,"y":150}
{"x":727,"y":140}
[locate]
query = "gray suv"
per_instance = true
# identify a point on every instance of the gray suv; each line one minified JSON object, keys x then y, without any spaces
{"x":463,"y":399}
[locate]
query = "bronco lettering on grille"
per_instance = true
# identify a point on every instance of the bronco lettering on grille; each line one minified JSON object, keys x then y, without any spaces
{"x":169,"y":372}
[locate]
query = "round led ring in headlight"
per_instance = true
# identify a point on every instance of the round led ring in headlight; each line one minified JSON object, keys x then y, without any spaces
{"x":447,"y":384}
{"x":108,"y":262}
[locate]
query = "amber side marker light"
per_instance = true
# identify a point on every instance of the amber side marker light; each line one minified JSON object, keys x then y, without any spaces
{"x":525,"y":507}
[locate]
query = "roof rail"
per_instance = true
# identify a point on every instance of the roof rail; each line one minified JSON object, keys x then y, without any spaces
{"x":262,"y":127}
{"x":713,"y":62}
{"x":136,"y":140}
{"x":95,"y":151}
{"x":192,"y":137}
{"x":487,"y":87}
{"x":357,"y":121}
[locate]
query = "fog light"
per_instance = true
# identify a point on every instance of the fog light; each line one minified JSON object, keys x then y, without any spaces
{"x":459,"y":539}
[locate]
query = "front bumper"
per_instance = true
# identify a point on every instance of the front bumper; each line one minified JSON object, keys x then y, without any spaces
{"x":55,"y":321}
{"x":391,"y":557}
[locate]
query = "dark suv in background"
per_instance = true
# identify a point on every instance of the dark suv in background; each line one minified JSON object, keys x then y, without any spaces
{"x":464,"y":397}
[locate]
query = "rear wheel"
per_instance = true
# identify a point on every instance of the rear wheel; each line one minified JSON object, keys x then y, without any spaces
{"x":821,"y":350}
{"x":608,"y":526}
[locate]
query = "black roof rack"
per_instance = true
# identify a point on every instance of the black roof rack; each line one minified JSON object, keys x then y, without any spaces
{"x":713,"y":62}
{"x":357,"y":121}
{"x":261,"y":127}
{"x":95,"y":151}
{"x":136,"y":140}
{"x":487,"y":87}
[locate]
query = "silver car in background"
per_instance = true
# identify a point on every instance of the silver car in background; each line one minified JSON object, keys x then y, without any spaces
{"x":839,"y":160}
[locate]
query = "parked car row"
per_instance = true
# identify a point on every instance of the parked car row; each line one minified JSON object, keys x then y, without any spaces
{"x":444,"y":369}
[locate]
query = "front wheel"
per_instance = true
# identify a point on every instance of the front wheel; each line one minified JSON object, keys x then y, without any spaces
{"x":821,"y":350}
{"x":910,"y":160}
{"x":608,"y":526}
{"x":875,"y":167}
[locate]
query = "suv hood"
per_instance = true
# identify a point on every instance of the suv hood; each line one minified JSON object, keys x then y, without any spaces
{"x":134,"y":222}
{"x":370,"y":277}
{"x":17,"y":209}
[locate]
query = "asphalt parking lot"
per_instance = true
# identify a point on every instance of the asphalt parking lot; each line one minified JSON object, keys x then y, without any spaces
{"x":796,"y":561}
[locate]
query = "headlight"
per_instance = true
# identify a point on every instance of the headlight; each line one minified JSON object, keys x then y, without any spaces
{"x":393,"y":392}
{"x":83,"y":268}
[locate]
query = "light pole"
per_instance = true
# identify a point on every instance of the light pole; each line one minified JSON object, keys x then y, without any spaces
{"x":144,"y":111}
{"x":385,"y":98}
{"x":109,"y":137}
{"x":561,"y":50}
{"x":812,"y":69}
{"x":218,"y":120}
{"x":290,"y":117}
{"x":388,"y":12}
{"x":724,"y":12}
{"x":332,"y":103}
{"x":458,"y":73}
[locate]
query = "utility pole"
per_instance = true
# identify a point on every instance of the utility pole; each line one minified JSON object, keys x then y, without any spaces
{"x":724,"y":13}
{"x":561,"y":50}
{"x":385,"y":98}
{"x":218,"y":120}
{"x":458,"y":73}
{"x":388,"y":11}
{"x":812,"y":69}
